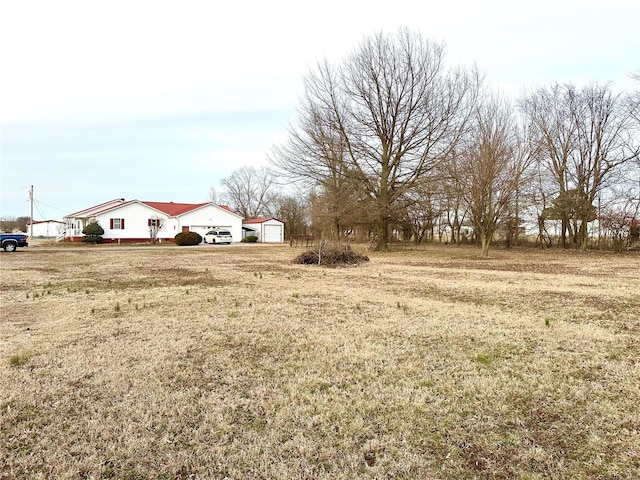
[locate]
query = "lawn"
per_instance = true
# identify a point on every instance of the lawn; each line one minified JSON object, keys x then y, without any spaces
{"x":232,"y":362}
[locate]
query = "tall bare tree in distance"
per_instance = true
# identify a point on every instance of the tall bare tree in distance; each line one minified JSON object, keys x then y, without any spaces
{"x":249,"y":191}
{"x":213,"y":195}
{"x":379,"y":122}
{"x":583,"y":138}
{"x":553,"y":137}
{"x":293,"y":210}
{"x":491,"y":167}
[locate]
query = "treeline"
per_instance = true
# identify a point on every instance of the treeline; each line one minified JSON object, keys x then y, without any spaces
{"x":14,"y":224}
{"x":391,"y":141}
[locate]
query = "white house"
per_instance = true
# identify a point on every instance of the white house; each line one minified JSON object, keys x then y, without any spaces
{"x":132,"y":220}
{"x":46,"y":228}
{"x":268,"y":230}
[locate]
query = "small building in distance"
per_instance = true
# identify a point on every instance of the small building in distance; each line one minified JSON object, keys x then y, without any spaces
{"x":46,"y":229}
{"x":268,"y":230}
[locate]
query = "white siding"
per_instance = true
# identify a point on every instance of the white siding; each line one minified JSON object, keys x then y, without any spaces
{"x":46,"y":229}
{"x":136,"y":217}
{"x":269,"y":231}
{"x":136,"y":225}
{"x":204,"y":219}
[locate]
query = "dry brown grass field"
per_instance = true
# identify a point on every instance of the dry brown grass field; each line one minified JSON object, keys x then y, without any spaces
{"x":215,"y":362}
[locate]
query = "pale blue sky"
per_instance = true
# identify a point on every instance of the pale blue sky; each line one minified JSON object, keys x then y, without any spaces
{"x":160,"y":100}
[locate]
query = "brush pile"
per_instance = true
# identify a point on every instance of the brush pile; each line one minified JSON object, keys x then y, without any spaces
{"x":330,"y":255}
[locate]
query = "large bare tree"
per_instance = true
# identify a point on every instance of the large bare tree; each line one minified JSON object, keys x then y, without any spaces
{"x":380,"y":121}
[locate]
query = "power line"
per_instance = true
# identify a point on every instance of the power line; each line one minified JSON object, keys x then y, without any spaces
{"x":55,"y":208}
{"x":40,"y":212}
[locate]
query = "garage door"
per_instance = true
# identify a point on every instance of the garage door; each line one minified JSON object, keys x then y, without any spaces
{"x":273,"y":234}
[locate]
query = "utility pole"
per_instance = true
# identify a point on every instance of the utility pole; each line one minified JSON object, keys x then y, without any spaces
{"x":31,"y":198}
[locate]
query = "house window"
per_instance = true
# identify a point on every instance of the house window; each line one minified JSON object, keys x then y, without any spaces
{"x":116,"y":223}
{"x":154,"y":222}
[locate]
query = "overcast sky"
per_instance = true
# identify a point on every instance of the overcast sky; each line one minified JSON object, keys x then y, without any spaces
{"x":159,"y":100}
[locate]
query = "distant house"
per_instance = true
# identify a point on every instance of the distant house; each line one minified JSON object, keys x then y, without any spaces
{"x":46,"y":228}
{"x":268,"y":230}
{"x":131,"y":220}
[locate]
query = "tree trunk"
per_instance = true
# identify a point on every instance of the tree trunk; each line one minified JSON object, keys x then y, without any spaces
{"x":337,"y":229}
{"x":517,"y":220}
{"x":485,"y":241}
{"x":383,"y":235}
{"x":584,"y":233}
{"x":563,"y":232}
{"x":541,"y":230}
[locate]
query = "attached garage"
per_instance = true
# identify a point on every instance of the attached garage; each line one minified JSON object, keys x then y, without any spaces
{"x":268,"y":230}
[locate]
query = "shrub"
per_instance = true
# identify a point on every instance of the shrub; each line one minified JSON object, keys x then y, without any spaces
{"x":93,"y":233}
{"x":250,"y":239}
{"x":188,"y":238}
{"x":92,"y":239}
{"x":93,"y":228}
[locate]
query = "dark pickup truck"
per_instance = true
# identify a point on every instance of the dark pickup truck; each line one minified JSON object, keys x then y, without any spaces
{"x":11,"y":241}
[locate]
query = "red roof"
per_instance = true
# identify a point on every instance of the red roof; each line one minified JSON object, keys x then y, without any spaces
{"x":256,"y":220}
{"x":261,"y":220}
{"x":92,"y":211}
{"x":170,"y":208}
{"x":175,"y":209}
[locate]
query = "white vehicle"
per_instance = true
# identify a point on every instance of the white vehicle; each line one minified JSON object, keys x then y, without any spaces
{"x":218,"y":236}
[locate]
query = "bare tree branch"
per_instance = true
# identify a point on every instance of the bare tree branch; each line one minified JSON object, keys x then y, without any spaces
{"x":249,"y":191}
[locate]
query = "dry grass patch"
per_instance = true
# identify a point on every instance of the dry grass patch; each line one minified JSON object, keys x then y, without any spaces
{"x":236,"y":363}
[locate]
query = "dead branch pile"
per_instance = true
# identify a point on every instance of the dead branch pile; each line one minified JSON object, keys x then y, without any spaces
{"x":330,"y":255}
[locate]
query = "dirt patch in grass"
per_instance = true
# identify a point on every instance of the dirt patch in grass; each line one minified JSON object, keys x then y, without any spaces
{"x":125,"y":362}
